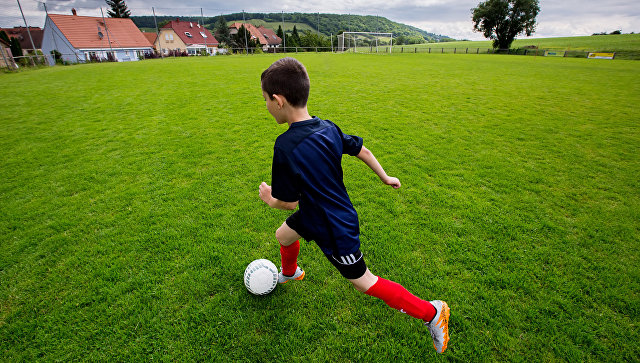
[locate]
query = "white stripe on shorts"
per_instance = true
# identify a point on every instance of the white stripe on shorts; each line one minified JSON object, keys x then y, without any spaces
{"x":348,"y":260}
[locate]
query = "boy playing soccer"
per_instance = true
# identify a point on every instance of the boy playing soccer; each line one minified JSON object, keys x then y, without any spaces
{"x":307,"y":173}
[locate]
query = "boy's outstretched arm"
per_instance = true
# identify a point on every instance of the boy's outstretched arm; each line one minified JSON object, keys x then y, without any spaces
{"x":371,"y":161}
{"x":265,"y":195}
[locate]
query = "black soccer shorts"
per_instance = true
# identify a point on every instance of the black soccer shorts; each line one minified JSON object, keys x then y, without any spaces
{"x":351,"y":266}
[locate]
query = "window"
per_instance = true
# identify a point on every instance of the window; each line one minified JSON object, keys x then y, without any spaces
{"x":171,"y":36}
{"x":188,"y":34}
{"x":203,"y":34}
{"x":166,"y":37}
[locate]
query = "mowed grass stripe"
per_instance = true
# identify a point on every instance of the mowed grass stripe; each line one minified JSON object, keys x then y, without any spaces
{"x":593,"y":43}
{"x":129,"y":209}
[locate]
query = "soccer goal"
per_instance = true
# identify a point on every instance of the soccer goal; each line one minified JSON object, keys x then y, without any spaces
{"x":365,"y":42}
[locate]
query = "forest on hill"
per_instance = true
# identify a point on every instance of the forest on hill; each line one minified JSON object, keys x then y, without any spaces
{"x":325,"y":24}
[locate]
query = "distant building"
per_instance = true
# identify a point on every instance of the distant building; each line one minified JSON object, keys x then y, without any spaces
{"x":152,"y":38}
{"x":169,"y":43}
{"x":21,"y":33}
{"x":6,"y":58}
{"x":195,"y":37}
{"x":266,"y":37}
{"x":86,"y":38}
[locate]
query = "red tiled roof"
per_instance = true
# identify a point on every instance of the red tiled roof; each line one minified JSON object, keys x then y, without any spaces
{"x":263,"y":35}
{"x":84,"y":32}
{"x":270,"y":35}
{"x":195,"y":30}
{"x":151,"y":37}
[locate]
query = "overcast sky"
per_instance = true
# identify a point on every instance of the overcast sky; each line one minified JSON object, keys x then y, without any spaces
{"x":446,"y":17}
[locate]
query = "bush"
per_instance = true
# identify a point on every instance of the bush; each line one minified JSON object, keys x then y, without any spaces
{"x":57,"y":56}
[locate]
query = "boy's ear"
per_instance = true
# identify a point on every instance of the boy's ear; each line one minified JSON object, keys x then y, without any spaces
{"x":280,"y":100}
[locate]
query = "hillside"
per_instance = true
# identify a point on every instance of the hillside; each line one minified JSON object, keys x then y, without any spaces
{"x":326,"y":24}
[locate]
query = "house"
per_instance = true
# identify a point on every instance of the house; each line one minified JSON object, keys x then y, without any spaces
{"x":22,"y":34}
{"x":169,"y":43}
{"x":195,"y":37}
{"x":6,"y":58}
{"x":151,"y":37}
{"x":267,"y":38}
{"x":86,"y":38}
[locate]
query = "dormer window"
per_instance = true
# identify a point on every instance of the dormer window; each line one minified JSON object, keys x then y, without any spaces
{"x":188,"y":34}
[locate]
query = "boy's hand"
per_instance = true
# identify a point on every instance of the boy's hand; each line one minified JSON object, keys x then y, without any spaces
{"x":265,"y":192}
{"x":394,"y":182}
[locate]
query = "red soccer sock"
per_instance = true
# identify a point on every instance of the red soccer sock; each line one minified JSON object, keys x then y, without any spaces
{"x":289,"y":258}
{"x":399,"y":298}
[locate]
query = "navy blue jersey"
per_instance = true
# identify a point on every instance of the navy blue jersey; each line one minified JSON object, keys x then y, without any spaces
{"x":307,"y":167}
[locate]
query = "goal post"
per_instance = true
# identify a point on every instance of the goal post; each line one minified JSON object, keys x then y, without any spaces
{"x":365,"y":41}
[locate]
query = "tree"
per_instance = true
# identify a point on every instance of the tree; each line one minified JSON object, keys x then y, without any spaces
{"x":312,"y":40}
{"x":118,"y":9}
{"x":502,"y":20}
{"x":243,"y":38}
{"x":4,"y":36}
{"x":279,"y":33}
{"x":295,"y":38}
{"x":222,"y":31}
{"x":16,"y":48}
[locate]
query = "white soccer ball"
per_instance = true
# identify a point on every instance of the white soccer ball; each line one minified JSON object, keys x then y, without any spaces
{"x":261,"y":277}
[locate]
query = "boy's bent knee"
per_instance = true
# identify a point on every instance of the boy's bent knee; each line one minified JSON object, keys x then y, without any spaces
{"x":360,"y":287}
{"x":286,"y":236}
{"x":364,"y":283}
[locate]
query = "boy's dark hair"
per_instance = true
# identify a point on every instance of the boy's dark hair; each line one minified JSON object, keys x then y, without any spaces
{"x":289,"y":78}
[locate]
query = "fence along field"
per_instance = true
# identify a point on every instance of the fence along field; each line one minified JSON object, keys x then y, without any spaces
{"x":129,"y":206}
{"x":625,"y":46}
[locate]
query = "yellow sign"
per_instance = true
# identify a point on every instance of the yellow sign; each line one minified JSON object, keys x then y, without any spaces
{"x":554,"y":53}
{"x":601,"y":55}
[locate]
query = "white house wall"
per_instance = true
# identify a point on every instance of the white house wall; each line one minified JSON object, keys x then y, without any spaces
{"x":121,"y":54}
{"x":52,"y":39}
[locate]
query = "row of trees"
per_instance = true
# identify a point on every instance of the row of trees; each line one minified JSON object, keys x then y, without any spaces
{"x":243,"y":39}
{"x":324,"y":24}
{"x":498,"y":20}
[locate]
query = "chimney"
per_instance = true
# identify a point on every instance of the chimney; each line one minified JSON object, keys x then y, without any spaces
{"x":73,"y":11}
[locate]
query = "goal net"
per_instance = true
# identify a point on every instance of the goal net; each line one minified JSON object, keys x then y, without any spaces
{"x":365,"y":42}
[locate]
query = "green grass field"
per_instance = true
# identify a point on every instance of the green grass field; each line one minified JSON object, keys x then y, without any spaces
{"x":601,"y":43}
{"x":129,"y":209}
